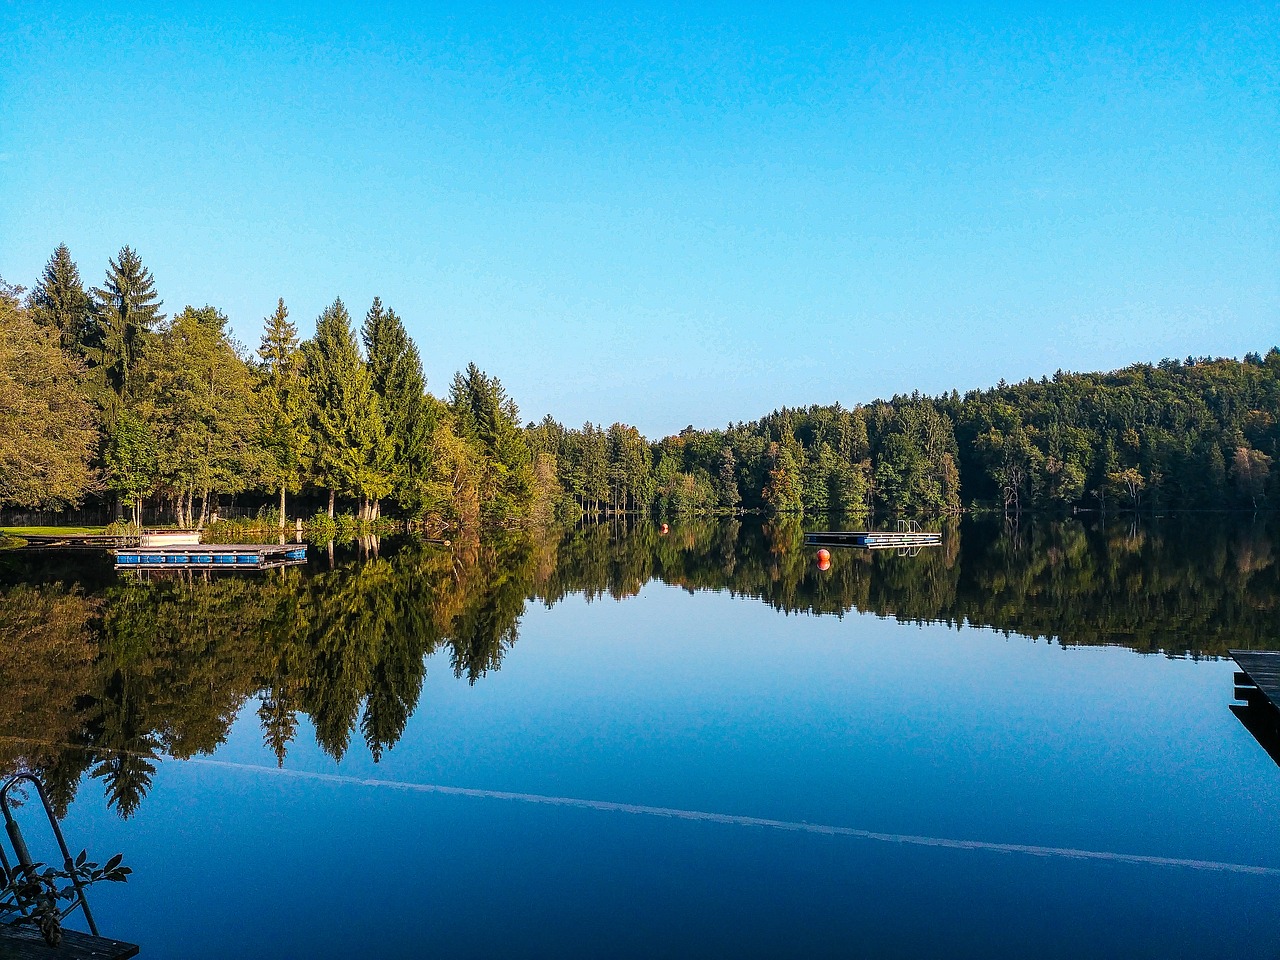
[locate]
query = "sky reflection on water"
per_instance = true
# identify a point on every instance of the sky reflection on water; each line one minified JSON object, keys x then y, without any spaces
{"x":715,"y":702}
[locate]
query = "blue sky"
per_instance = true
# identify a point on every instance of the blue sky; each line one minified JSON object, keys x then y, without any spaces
{"x":669,"y":217}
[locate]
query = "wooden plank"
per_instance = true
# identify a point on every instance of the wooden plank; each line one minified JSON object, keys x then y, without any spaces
{"x":25,"y":943}
{"x":1263,"y":670}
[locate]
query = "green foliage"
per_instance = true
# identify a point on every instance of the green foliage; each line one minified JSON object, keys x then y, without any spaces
{"x":58,"y":300}
{"x":350,"y":432}
{"x":48,"y":431}
{"x":125,"y":311}
{"x":396,"y":371}
{"x":34,"y":894}
{"x":186,"y":417}
{"x":488,"y":420}
{"x":197,"y":394}
{"x":285,"y":407}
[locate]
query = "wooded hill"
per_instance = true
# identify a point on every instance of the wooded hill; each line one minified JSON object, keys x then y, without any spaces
{"x":104,"y":396}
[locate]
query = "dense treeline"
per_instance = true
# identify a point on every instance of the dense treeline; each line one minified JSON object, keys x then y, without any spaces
{"x":106,"y":675}
{"x":101,"y":394}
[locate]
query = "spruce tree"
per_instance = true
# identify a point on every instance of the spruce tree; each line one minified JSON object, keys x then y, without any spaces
{"x":486,"y":416}
{"x":285,"y":405}
{"x":126,"y":311}
{"x":347,"y":416}
{"x":396,"y":369}
{"x":59,"y":300}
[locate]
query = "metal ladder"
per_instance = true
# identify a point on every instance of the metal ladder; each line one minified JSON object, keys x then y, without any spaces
{"x":25,"y":865}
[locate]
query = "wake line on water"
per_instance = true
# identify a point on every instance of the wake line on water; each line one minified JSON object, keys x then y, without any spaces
{"x":699,"y":816}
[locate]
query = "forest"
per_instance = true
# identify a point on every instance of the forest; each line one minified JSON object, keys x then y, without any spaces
{"x":106,"y":399}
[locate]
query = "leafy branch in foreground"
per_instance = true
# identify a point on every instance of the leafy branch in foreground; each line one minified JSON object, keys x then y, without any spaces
{"x":34,"y":894}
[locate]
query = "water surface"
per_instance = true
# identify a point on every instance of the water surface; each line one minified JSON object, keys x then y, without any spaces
{"x":696,"y":744}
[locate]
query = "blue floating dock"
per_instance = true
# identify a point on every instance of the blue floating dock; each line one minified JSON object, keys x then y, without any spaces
{"x":253,"y":556}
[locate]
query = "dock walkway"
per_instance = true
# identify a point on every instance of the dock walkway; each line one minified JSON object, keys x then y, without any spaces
{"x":1258,"y":685}
{"x":874,"y":539}
{"x":1260,"y":674}
{"x":26,"y":943}
{"x":220,"y":556}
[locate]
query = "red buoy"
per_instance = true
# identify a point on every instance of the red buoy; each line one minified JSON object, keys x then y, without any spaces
{"x":663,"y":528}
{"x":824,"y":559}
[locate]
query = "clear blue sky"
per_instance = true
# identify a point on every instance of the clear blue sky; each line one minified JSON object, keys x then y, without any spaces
{"x":667,"y":217}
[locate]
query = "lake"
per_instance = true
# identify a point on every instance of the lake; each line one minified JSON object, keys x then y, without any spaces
{"x":611,"y":742}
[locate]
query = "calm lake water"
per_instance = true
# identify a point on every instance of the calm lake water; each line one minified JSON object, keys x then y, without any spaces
{"x":615,"y":743}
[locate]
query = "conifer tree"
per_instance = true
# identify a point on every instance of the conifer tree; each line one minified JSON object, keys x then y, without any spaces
{"x":126,"y":310}
{"x":347,"y":416}
{"x":486,"y":416}
{"x":396,"y":369}
{"x":285,"y":405}
{"x":59,"y":300}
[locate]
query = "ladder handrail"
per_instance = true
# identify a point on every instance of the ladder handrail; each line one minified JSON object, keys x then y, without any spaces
{"x":25,"y":863}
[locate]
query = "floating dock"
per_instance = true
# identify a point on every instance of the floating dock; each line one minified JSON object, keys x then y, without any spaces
{"x":211,"y":556}
{"x":874,"y":539}
{"x":1258,"y":685}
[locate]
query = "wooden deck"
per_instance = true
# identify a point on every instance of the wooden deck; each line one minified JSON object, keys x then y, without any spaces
{"x":1258,"y":685}
{"x":1261,"y":670}
{"x":25,"y":943}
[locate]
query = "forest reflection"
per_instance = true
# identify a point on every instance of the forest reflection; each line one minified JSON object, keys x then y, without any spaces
{"x":103,"y":674}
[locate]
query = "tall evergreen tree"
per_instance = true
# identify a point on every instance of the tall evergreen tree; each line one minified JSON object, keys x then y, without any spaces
{"x":126,"y":311}
{"x":485,"y":415}
{"x":59,"y":300}
{"x":347,"y":416}
{"x":396,"y":369}
{"x":285,"y":408}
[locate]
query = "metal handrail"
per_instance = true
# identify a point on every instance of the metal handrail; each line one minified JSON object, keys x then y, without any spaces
{"x":23,"y":855}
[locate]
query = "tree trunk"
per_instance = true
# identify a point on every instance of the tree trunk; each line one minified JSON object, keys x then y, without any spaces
{"x":333,"y":495}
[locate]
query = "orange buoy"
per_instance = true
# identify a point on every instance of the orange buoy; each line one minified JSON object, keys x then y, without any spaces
{"x":663,"y":528}
{"x":824,"y":559}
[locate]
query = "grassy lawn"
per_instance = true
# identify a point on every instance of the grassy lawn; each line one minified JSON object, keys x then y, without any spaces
{"x":48,"y":531}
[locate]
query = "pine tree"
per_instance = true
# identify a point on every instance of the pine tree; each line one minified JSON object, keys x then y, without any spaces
{"x":347,"y":416}
{"x":126,"y":310}
{"x":285,"y":405}
{"x":59,"y":300}
{"x":485,"y":415}
{"x":396,"y":369}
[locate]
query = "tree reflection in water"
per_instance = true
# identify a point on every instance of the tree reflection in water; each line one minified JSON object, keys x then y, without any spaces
{"x":104,"y":675}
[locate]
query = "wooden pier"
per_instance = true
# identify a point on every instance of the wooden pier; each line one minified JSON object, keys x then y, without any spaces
{"x":211,"y":556}
{"x":1259,"y":675}
{"x":26,"y":943}
{"x":1258,"y":685}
